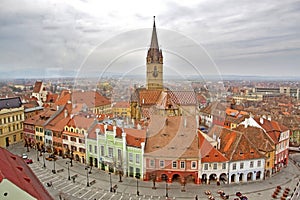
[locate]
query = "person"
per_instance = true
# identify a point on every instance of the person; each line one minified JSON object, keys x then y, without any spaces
{"x":196,"y":197}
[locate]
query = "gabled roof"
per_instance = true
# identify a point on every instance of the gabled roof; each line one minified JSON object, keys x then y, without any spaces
{"x":134,"y":137}
{"x":80,"y":122}
{"x":272,"y":127}
{"x":14,"y":169}
{"x":183,"y":97}
{"x":14,"y":102}
{"x":257,"y":137}
{"x":208,"y":152}
{"x":148,"y":97}
{"x":37,"y":87}
{"x":90,"y":98}
{"x":215,"y":108}
{"x":235,"y":145}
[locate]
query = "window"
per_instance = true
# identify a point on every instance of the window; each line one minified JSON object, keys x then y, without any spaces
{"x":41,"y":130}
{"x":215,"y":166}
{"x":223,"y":165}
{"x":161,"y":164}
{"x":81,"y":141}
{"x":73,"y":139}
{"x":110,"y":152}
{"x":268,"y":164}
{"x":102,"y":151}
{"x":152,"y":163}
{"x":95,"y":149}
{"x":174,"y":164}
{"x":15,"y":138}
{"x":251,"y":164}
{"x":130,"y":157}
{"x":234,"y":166}
{"x":194,"y":165}
{"x":137,"y":158}
{"x":90,"y":148}
{"x":182,"y":164}
{"x":241,"y":165}
{"x":205,"y":166}
{"x":119,"y":154}
{"x":65,"y":137}
{"x":258,"y":163}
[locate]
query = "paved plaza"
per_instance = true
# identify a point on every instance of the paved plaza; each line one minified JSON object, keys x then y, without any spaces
{"x":100,"y":184}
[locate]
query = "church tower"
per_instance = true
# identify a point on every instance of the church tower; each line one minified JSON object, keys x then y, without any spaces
{"x":154,"y":64}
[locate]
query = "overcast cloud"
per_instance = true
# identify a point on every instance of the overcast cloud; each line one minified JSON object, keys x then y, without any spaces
{"x":46,"y":38}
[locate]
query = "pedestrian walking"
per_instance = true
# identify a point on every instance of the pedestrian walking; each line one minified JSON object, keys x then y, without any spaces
{"x":196,"y":197}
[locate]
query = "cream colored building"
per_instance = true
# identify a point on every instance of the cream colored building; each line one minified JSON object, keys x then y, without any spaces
{"x":11,"y":121}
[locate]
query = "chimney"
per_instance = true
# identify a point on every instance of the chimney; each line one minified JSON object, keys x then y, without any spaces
{"x":269,"y":117}
{"x":139,"y":127}
{"x":246,"y":122}
{"x":219,"y":142}
{"x":261,"y":120}
{"x":66,"y":113}
{"x":214,"y":137}
{"x":185,"y":122}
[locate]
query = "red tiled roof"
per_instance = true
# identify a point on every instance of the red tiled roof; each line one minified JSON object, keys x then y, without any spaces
{"x":173,"y":137}
{"x":14,"y":169}
{"x":51,"y":98}
{"x":208,"y":152}
{"x":80,"y":122}
{"x":121,"y":104}
{"x":134,"y":137}
{"x":235,"y":145}
{"x":273,"y":128}
{"x":37,"y":86}
{"x":148,"y":97}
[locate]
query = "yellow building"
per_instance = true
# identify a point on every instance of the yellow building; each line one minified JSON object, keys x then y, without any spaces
{"x":121,"y":109}
{"x":11,"y":121}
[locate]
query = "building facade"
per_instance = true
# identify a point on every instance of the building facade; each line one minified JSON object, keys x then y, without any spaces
{"x":11,"y":121}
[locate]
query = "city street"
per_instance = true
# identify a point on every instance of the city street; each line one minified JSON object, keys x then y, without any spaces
{"x":100,"y":184}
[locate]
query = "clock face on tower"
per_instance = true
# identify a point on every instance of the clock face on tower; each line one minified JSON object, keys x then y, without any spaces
{"x":155,"y":72}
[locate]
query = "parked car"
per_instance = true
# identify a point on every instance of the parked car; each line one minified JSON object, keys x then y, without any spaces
{"x":26,"y":159}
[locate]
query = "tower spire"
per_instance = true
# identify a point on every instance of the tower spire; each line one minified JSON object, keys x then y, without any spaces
{"x":154,"y":42}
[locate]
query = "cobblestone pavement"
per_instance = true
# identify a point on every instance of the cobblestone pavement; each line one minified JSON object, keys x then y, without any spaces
{"x":127,"y":190}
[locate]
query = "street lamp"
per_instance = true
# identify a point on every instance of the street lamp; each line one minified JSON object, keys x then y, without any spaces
{"x":111,"y":189}
{"x":137,"y":184}
{"x":167,"y":195}
{"x":68,"y":162}
{"x":87,"y":176}
{"x":37,"y":154}
{"x":54,"y":171}
{"x":44,"y":160}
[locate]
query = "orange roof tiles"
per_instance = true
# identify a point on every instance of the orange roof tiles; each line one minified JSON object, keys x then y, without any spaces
{"x":80,"y":122}
{"x":134,"y":137}
{"x":174,"y":137}
{"x":235,"y":145}
{"x":208,"y":152}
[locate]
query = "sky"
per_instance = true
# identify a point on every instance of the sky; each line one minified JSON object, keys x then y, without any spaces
{"x":57,"y":38}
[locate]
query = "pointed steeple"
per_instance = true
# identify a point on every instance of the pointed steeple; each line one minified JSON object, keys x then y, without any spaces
{"x":154,"y":42}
